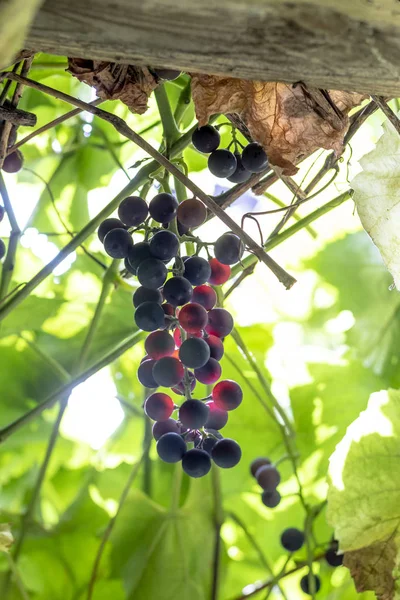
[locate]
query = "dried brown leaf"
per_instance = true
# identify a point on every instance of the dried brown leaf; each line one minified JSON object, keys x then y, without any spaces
{"x":112,"y":81}
{"x":289,"y":121}
{"x":372,"y":568}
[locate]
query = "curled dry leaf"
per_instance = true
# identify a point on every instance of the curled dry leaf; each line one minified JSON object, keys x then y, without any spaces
{"x":289,"y":121}
{"x":112,"y":81}
{"x":372,"y":569}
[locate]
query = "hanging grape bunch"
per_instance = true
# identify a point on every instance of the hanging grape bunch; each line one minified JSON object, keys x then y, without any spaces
{"x":176,"y":305}
{"x":268,"y":478}
{"x":236,"y":166}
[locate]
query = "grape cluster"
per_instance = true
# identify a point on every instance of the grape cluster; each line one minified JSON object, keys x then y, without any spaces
{"x":236,"y":166}
{"x":268,"y":477}
{"x":176,"y":305}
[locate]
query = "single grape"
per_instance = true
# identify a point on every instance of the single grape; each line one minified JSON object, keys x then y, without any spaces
{"x":227,"y":394}
{"x":222,"y":163}
{"x":292,"y":539}
{"x":220,"y":322}
{"x":197,"y":270}
{"x":159,"y":406}
{"x":145,"y":374}
{"x":167,"y":74}
{"x":180,"y":388}
{"x":2,"y":212}
{"x":228,"y":248}
{"x":159,"y":344}
{"x":143,"y":294}
{"x":226,"y":453}
{"x":171,"y":447}
{"x":305,"y":584}
{"x":268,"y":478}
{"x":168,"y":426}
{"x":133,"y":211}
{"x":177,"y":291}
{"x":152,"y":273}
{"x":208,"y":373}
{"x":107,"y":225}
{"x":149,"y":316}
{"x":254,"y":158}
{"x":192,"y":317}
{"x":271,"y":499}
{"x":117,"y":243}
{"x":208,"y":443}
{"x":219,"y":273}
{"x":217,"y":418}
{"x":194,"y":352}
{"x":138,"y":254}
{"x":164,"y":245}
{"x":2,"y":249}
{"x":168,"y":371}
{"x":193,"y":414}
{"x":216,"y":347}
{"x":191,"y":213}
{"x":163,"y":207}
{"x":257,"y":463}
{"x":196,"y":463}
{"x":168,"y":309}
{"x":205,"y":295}
{"x":13,"y":162}
{"x":241,"y":174}
{"x":332,"y":557}
{"x":206,"y":139}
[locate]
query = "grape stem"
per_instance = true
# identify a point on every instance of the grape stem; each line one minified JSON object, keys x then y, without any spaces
{"x":9,"y":262}
{"x":219,"y":518}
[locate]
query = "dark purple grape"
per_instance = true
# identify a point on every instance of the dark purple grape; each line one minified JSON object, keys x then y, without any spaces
{"x":163,"y":208}
{"x":305,"y":583}
{"x":133,"y":211}
{"x":168,"y":371}
{"x":216,"y":346}
{"x":182,"y":229}
{"x":138,"y":254}
{"x":197,"y":270}
{"x":192,"y":317}
{"x":107,"y":225}
{"x":117,"y":243}
{"x":292,"y":539}
{"x":194,"y":353}
{"x":226,"y":453}
{"x":271,"y":499}
{"x":171,"y":447}
{"x":222,"y":163}
{"x":217,"y":418}
{"x":257,"y":463}
{"x":193,"y":414}
{"x":191,"y":213}
{"x":196,"y":463}
{"x":143,"y":294}
{"x":205,"y":295}
{"x":152,"y":273}
{"x":177,"y":291}
{"x":164,"y":245}
{"x":168,"y":426}
{"x":209,"y":443}
{"x":228,"y":248}
{"x":149,"y":316}
{"x":145,"y":374}
{"x":227,"y":394}
{"x":332,"y":557}
{"x":220,"y":322}
{"x":2,"y":249}
{"x":13,"y":162}
{"x":268,"y":478}
{"x":241,"y":174}
{"x":208,"y":373}
{"x":206,"y":139}
{"x":159,"y":344}
{"x":159,"y":406}
{"x":254,"y":158}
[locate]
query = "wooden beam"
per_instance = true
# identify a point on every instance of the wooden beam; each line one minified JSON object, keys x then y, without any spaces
{"x":336,"y":44}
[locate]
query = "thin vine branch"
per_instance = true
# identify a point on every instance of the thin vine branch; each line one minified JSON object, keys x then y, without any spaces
{"x":387,"y":111}
{"x":9,"y":262}
{"x":219,"y":518}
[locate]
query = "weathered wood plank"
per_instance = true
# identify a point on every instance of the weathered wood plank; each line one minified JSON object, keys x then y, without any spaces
{"x":342,"y":44}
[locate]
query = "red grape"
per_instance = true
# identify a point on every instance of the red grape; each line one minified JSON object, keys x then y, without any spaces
{"x":159,"y":406}
{"x":227,"y":394}
{"x":159,"y":344}
{"x":209,"y":373}
{"x":193,"y":317}
{"x":205,"y":295}
{"x":219,"y":273}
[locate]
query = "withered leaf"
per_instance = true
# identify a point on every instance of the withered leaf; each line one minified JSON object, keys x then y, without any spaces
{"x":289,"y":121}
{"x":112,"y":81}
{"x":372,"y":568}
